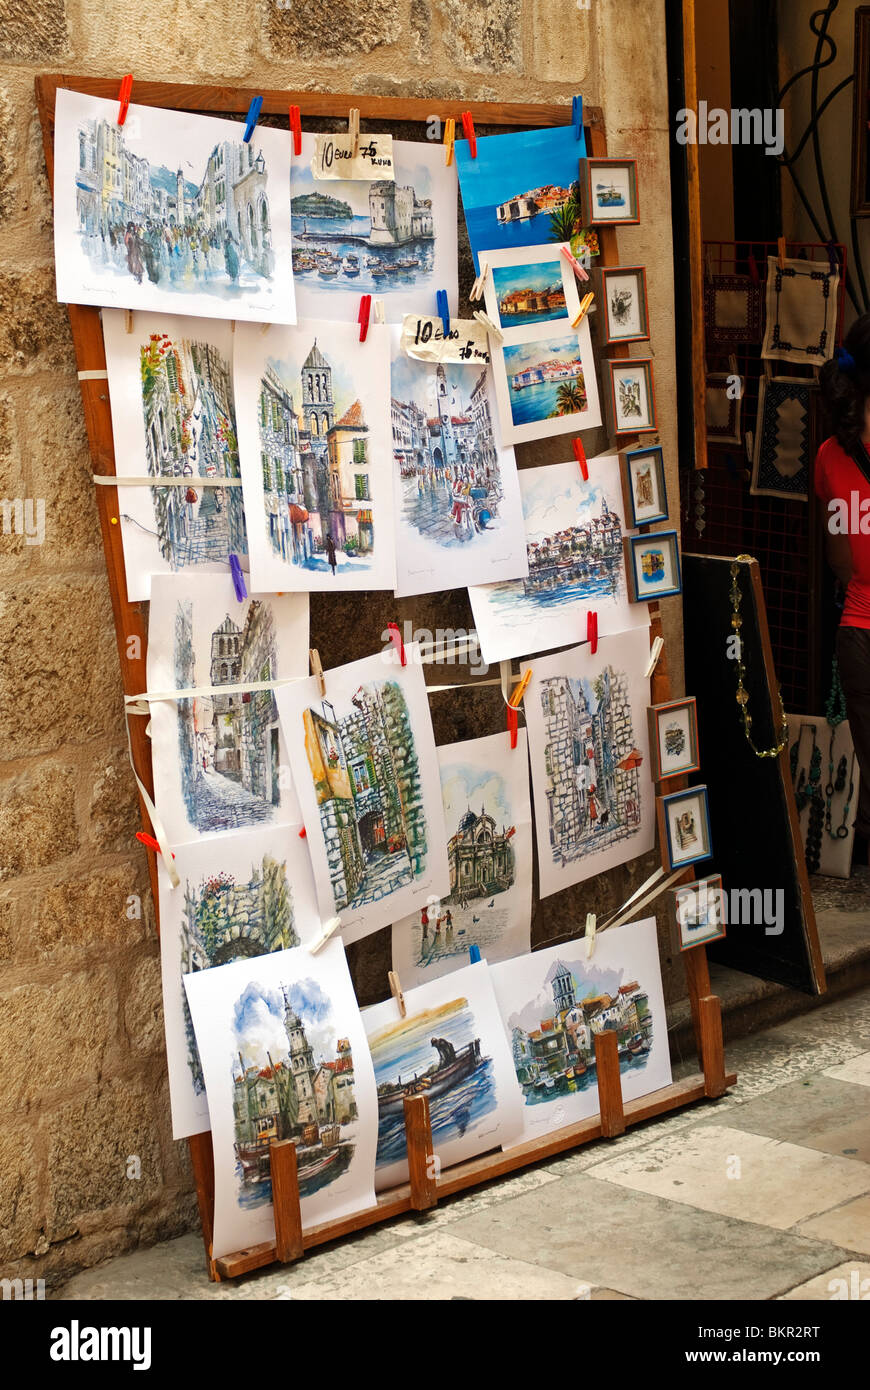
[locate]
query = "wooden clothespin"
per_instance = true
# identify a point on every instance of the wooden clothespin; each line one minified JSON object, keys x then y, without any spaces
{"x":396,"y":639}
{"x":396,"y":992}
{"x":468,"y":132}
{"x":232,"y":325}
{"x":128,"y":320}
{"x":655,"y":653}
{"x":781,"y":251}
{"x":124,"y":97}
{"x":317,"y":670}
{"x":592,"y":630}
{"x":449,"y":139}
{"x":585,"y":306}
{"x":296,"y":128}
{"x":264,"y":327}
{"x":252,"y":117}
{"x":353,"y":128}
{"x":327,"y":930}
{"x":589,"y":934}
{"x":238,"y":578}
{"x":574,"y":264}
{"x":488,"y":324}
{"x":365,"y":309}
{"x":476,"y":291}
{"x":580,"y":456}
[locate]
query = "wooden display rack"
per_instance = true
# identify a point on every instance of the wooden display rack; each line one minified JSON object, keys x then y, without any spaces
{"x":424,"y":1188}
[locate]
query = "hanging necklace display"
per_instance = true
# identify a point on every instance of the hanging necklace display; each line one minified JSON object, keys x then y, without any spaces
{"x":808,"y":792}
{"x":742,"y":696}
{"x":835,"y":713}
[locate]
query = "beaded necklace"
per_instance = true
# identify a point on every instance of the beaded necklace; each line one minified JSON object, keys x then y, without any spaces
{"x":742,"y":696}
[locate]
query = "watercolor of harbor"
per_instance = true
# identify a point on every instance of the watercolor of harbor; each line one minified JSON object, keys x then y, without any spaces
{"x":546,"y":379}
{"x":529,"y":293}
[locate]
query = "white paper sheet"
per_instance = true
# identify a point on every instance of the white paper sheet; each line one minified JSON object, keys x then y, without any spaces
{"x":219,"y":762}
{"x":397,"y":240}
{"x":284,"y":1055}
{"x":242,"y":896}
{"x":314,"y":443}
{"x":450,"y":1046}
{"x":366,"y":771}
{"x":589,"y":751}
{"x":553,"y":1002}
{"x":574,"y":533}
{"x":458,"y":509}
{"x":171,"y":212}
{"x":487,"y":808}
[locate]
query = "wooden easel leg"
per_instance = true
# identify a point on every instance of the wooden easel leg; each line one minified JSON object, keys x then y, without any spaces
{"x":421,"y":1158}
{"x":698,"y":982}
{"x":609,"y":1084}
{"x":202,"y":1161}
{"x":712,"y":1049}
{"x":285,"y":1200}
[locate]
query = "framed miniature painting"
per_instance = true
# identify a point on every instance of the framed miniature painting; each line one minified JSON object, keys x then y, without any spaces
{"x":684,"y":827}
{"x":630,"y":395}
{"x":644,"y":492}
{"x":673,"y":738}
{"x":652,"y":564}
{"x":608,"y":191}
{"x":697,"y":912}
{"x":621,"y":290}
{"x":724,"y":403}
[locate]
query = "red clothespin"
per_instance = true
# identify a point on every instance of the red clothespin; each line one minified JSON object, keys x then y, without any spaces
{"x":124,"y":97}
{"x":302,"y":833}
{"x":781,"y":251}
{"x":150,"y":842}
{"x":513,"y":725}
{"x":365,"y":309}
{"x":592,"y":630}
{"x":753,"y":269}
{"x":468,"y":132}
{"x":580,"y":456}
{"x":296,"y":127}
{"x":575,"y":265}
{"x":396,"y":639}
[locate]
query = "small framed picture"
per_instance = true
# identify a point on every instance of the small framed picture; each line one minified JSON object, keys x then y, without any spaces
{"x":697,"y":912}
{"x":684,"y":827}
{"x":724,"y":408}
{"x":621,"y":290}
{"x":652,"y":564}
{"x":608,"y":191}
{"x":673,"y":738}
{"x":630,"y":395}
{"x":644,"y":493}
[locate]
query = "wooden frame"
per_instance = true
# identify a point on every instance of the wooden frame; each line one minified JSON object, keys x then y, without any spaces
{"x":633,"y":543}
{"x":587,"y":196}
{"x":732,"y":432}
{"x":629,"y":499}
{"x":423,"y":1189}
{"x":666,"y":844}
{"x":639,"y":364}
{"x":674,"y":896}
{"x":654,"y":715}
{"x":600,"y":277}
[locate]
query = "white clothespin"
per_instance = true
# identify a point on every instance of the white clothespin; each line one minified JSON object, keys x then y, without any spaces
{"x":655,"y":653}
{"x":327,"y":930}
{"x":396,"y":991}
{"x":589,"y":934}
{"x":488,"y":324}
{"x":377,"y":311}
{"x":479,"y":285}
{"x":353,"y":127}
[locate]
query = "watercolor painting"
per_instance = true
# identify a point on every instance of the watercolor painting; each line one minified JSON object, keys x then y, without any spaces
{"x":394,"y":239}
{"x":450,"y":1048}
{"x":248,"y":896}
{"x":285,"y":1056}
{"x":547,"y":385}
{"x":554,"y":1003}
{"x":458,"y":511}
{"x":528,"y":294}
{"x":218,"y":757}
{"x":173,"y":417}
{"x":314,"y":444}
{"x":487,"y":810}
{"x":574,"y":533}
{"x":521,"y":189}
{"x":589,"y":743}
{"x":171,"y":211}
{"x":364,"y":765}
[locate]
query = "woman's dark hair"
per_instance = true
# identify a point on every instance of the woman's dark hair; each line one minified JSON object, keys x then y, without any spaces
{"x":846,"y":386}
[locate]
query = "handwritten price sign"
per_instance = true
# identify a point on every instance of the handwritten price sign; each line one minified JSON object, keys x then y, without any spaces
{"x":424,"y":339}
{"x":334,"y":157}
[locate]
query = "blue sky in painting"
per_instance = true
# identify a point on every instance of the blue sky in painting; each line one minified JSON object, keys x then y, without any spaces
{"x":511,"y":164}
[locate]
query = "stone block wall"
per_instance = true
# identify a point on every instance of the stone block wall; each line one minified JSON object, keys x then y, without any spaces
{"x":87,"y":1164}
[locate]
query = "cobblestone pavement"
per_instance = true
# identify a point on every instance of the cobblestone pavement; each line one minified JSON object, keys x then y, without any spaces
{"x":384,"y":874}
{"x":430,"y":512}
{"x":222,"y":803}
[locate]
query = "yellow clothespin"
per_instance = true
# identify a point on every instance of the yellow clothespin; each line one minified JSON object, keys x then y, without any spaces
{"x":449,"y":139}
{"x":396,"y":992}
{"x":589,"y":934}
{"x":327,"y":930}
{"x":232,"y":325}
{"x":519,"y":691}
{"x":781,"y":251}
{"x":585,"y":306}
{"x":353,"y":127}
{"x":488,"y":324}
{"x":128,"y":320}
{"x":317,"y":669}
{"x":655,"y":653}
{"x":476,"y":291}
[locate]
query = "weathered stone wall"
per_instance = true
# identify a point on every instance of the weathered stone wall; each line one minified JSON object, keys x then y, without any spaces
{"x":84,"y":1088}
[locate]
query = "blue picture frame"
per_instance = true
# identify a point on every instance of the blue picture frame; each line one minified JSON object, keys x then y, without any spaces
{"x":628,"y":489}
{"x":664,"y":804}
{"x":645,"y":588}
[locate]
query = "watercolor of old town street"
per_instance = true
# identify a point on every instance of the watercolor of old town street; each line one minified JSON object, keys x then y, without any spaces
{"x":218,"y":757}
{"x":366,"y":772}
{"x":553,"y":1004}
{"x":284,"y":1056}
{"x":314,"y":445}
{"x":171,"y":211}
{"x":394,"y":238}
{"x":173,"y":418}
{"x":487,"y":810}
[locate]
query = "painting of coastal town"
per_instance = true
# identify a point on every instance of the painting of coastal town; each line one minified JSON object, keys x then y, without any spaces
{"x":171,"y":211}
{"x":219,"y":763}
{"x":457,"y":498}
{"x":555,"y":1002}
{"x":314,"y":444}
{"x":396,"y":239}
{"x":449,"y":1047}
{"x":173,"y":419}
{"x":364,"y":764}
{"x":545,"y":385}
{"x":589,"y":755}
{"x":528,"y":286}
{"x":284,"y":1056}
{"x":487,"y":810}
{"x":574,"y":533}
{"x":521,"y":189}
{"x":244,"y":896}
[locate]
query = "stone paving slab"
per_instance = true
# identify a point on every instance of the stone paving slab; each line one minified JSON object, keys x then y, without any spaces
{"x":856,"y":1070}
{"x":847,"y":1226}
{"x":849,"y":1281}
{"x":817,"y":1112}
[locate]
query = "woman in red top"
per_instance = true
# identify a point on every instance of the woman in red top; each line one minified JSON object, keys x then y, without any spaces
{"x":842,"y":483}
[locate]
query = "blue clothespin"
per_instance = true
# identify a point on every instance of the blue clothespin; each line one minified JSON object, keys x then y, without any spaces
{"x":238,"y":578}
{"x":833,"y":258}
{"x":443,"y":310}
{"x":473,"y":954}
{"x":577,"y":122}
{"x":252,"y":117}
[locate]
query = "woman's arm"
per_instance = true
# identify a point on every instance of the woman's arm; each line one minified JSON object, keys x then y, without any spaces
{"x":839,"y":553}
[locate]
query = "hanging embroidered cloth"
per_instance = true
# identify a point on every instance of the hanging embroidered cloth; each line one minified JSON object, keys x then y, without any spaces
{"x":781,"y":462}
{"x":802,"y":300}
{"x":724,"y":399}
{"x":732,"y":310}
